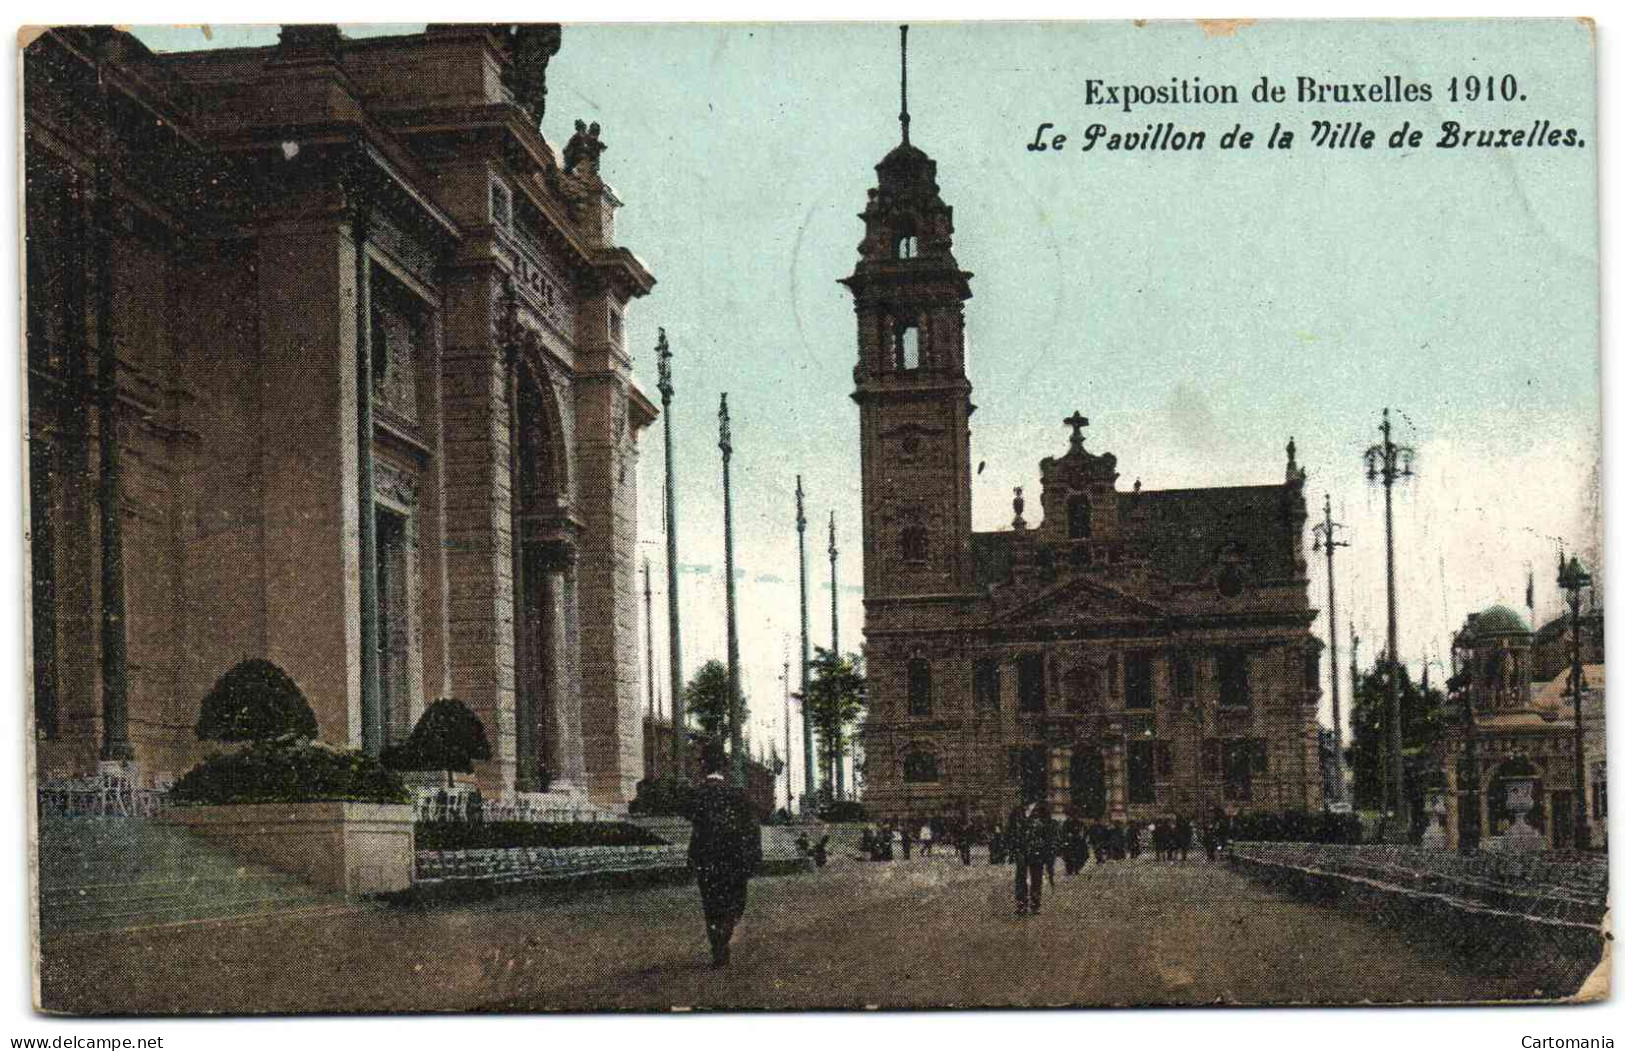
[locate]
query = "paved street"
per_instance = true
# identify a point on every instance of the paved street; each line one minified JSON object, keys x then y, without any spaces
{"x":907,"y":934}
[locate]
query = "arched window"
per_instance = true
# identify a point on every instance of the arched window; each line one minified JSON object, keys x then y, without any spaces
{"x":1077,"y":517}
{"x":920,"y":765}
{"x":905,"y":245}
{"x":912,"y":542}
{"x":919,"y":688}
{"x":906,"y":349}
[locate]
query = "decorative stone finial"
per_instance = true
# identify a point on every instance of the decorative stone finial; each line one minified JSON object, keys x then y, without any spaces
{"x":1077,"y":421}
{"x":1020,"y":504}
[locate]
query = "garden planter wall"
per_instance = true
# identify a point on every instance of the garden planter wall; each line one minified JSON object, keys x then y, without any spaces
{"x":358,"y":848}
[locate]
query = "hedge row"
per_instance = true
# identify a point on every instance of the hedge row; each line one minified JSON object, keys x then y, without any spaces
{"x":487,"y":835}
{"x":289,"y":772}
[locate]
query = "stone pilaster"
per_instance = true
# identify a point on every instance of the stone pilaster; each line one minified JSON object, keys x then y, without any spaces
{"x":308,"y":431}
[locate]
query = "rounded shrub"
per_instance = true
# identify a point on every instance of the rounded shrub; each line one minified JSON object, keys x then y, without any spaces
{"x":255,"y":701}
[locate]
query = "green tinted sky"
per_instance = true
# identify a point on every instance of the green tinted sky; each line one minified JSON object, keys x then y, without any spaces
{"x":1199,"y":308}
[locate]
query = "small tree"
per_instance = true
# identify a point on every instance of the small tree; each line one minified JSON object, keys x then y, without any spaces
{"x":447,"y":737}
{"x":836,"y":695}
{"x":706,"y":698}
{"x":255,"y":701}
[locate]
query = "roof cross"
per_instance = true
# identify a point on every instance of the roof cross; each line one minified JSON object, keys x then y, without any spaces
{"x":1077,"y":421}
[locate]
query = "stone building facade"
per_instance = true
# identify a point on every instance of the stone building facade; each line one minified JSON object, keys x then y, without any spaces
{"x":326,"y":365}
{"x":1132,"y":654}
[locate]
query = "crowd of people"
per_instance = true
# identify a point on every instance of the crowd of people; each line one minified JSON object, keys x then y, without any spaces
{"x":1074,"y":841}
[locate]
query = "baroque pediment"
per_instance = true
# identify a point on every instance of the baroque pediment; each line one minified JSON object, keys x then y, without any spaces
{"x":1083,"y":600}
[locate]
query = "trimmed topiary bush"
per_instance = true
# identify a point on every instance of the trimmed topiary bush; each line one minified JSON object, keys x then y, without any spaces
{"x":255,"y":701}
{"x":448,"y":737}
{"x":289,"y":772}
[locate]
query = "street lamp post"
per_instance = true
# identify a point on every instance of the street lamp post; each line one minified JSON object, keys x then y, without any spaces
{"x":1390,"y":463}
{"x":1325,"y":536}
{"x":1468,"y":828}
{"x":679,"y":721}
{"x":1573,"y":578}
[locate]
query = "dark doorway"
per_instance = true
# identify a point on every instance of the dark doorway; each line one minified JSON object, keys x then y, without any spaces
{"x":1088,"y":784}
{"x":1562,"y":820}
{"x":394,"y":628}
{"x":1034,"y":773}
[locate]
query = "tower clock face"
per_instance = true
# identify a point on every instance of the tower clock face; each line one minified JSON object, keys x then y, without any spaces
{"x":910,"y":444}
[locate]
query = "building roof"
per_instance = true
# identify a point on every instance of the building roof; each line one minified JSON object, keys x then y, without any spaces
{"x":1554,"y":696}
{"x":1187,"y":532}
{"x":1499,"y":620}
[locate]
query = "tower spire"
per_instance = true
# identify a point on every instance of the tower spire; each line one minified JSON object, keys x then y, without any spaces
{"x":902,"y":117}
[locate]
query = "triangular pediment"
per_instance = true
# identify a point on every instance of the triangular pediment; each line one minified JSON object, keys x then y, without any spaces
{"x":1083,"y":600}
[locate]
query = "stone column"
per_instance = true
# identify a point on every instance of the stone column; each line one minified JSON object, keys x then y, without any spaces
{"x":564,"y":634}
{"x":1116,"y":778}
{"x":1060,"y":780}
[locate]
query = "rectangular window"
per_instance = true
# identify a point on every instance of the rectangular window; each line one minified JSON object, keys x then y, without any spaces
{"x":1212,"y":758}
{"x":985,"y":685}
{"x":1165,"y":760}
{"x":1142,"y":787}
{"x":1030,"y":683}
{"x":501,"y":206}
{"x":1184,"y":678}
{"x":1137,"y":679}
{"x":1311,"y":669}
{"x":919,"y":688}
{"x":1235,"y":691}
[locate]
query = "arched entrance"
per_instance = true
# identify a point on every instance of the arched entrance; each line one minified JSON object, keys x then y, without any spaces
{"x":539,"y":565}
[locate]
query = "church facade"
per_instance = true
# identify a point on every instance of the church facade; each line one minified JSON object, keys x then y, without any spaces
{"x":1127,"y":655}
{"x":326,"y":365}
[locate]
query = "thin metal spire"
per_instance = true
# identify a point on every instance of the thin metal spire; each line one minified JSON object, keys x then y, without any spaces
{"x":902,"y":117}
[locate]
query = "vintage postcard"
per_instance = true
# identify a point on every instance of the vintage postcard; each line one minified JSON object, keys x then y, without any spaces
{"x":574,"y":518}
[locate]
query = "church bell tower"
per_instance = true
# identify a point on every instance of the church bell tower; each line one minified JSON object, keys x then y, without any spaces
{"x":913,"y":396}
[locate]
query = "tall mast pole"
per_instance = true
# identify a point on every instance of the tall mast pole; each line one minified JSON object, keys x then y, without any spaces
{"x":649,"y":644}
{"x":789,"y":756}
{"x":1326,"y":533}
{"x":736,"y":714}
{"x":902,"y":116}
{"x":809,"y":791}
{"x":835,"y":648}
{"x":674,"y":659}
{"x":1354,"y":666}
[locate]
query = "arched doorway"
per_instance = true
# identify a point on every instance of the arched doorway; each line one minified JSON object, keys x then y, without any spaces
{"x":537,"y":501}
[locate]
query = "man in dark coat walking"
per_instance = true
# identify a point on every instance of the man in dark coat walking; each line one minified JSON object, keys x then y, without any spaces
{"x":1027,"y":839}
{"x":724,"y":850}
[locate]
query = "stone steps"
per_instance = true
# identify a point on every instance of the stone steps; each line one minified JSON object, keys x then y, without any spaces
{"x":104,"y":874}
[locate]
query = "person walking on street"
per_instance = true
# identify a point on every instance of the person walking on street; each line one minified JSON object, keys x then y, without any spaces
{"x":1025,"y":833}
{"x":925,"y":840}
{"x":724,"y":851}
